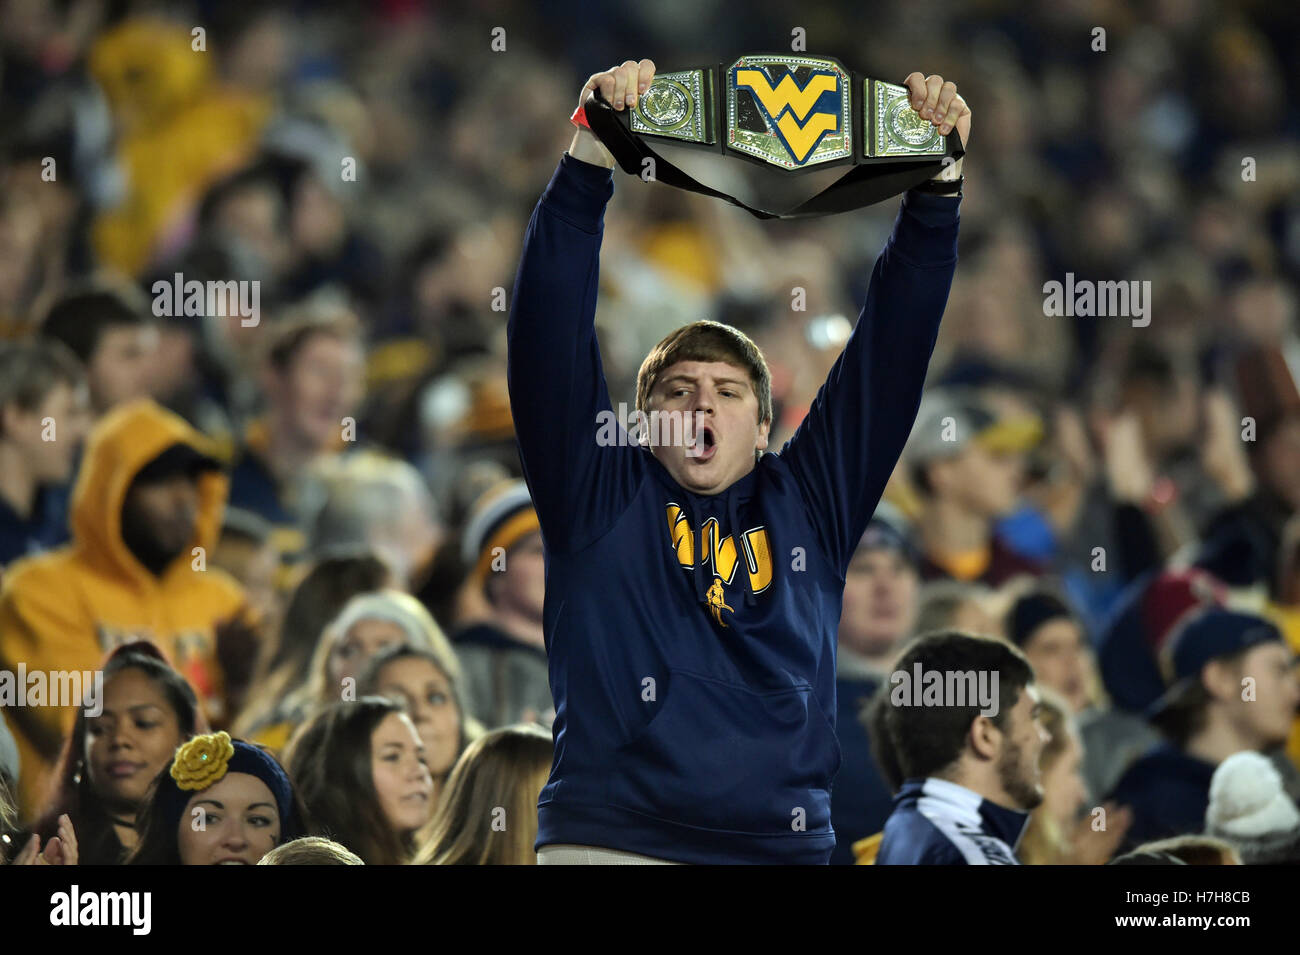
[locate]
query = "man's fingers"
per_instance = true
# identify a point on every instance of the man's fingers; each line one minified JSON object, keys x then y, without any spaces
{"x":625,"y":79}
{"x":953,"y":112}
{"x":947,"y":92}
{"x":633,"y":71}
{"x":596,"y":82}
{"x":647,"y":73}
{"x":621,"y":85}
{"x":933,"y":85}
{"x":915,"y":84}
{"x":620,"y":89}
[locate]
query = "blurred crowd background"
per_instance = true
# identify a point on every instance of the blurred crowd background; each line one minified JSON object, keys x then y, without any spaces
{"x":373,"y":167}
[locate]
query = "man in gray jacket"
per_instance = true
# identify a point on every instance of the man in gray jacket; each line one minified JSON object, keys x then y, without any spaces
{"x":504,"y":653}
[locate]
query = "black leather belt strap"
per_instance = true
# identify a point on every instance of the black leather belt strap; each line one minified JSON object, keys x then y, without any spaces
{"x":869,"y":179}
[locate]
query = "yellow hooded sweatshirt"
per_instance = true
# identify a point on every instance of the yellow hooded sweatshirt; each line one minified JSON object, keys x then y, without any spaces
{"x":67,"y":609}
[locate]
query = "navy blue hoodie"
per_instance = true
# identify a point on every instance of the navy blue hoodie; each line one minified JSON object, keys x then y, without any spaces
{"x":694,"y":673}
{"x":1168,"y":791}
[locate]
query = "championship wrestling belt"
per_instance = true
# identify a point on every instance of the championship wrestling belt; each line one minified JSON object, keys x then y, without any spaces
{"x":793,"y":113}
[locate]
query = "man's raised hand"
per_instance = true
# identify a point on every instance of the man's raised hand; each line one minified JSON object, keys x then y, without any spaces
{"x":937,"y":102}
{"x":621,"y":86}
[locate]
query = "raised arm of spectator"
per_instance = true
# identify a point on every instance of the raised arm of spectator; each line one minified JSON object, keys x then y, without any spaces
{"x":580,"y":480}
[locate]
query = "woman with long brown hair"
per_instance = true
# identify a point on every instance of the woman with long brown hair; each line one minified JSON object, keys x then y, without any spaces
{"x":488,"y":812}
{"x":361,"y":771}
{"x":430,"y":696}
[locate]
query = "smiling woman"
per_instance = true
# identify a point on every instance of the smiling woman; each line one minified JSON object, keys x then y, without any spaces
{"x":109,"y":760}
{"x":219,"y":802}
{"x":364,"y":778}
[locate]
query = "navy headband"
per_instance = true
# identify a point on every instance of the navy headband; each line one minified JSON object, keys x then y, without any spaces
{"x":253,"y":761}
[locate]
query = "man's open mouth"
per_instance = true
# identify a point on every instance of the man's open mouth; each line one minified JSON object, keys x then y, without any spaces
{"x":705,"y":443}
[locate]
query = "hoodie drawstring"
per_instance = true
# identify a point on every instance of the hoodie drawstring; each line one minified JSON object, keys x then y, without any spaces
{"x":701,"y":589}
{"x":708,"y":587}
{"x":738,"y":536}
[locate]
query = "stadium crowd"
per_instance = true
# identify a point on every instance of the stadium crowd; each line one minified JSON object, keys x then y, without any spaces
{"x":296,"y":541}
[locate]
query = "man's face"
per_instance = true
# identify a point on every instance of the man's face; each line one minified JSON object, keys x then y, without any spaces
{"x":121,"y":367}
{"x":522,"y":587}
{"x":713,"y":403}
{"x":321,"y":387}
{"x":879,"y":602}
{"x":1056,"y":652}
{"x":166,"y":511}
{"x":983,"y":481}
{"x":1268,"y":717}
{"x":1023,"y":739}
{"x":50,"y":461}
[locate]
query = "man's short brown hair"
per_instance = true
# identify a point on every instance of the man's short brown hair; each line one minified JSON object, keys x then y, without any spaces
{"x":293,"y":331}
{"x":29,"y":371}
{"x":707,"y":341}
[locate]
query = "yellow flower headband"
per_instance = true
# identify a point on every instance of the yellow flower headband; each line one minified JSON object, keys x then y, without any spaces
{"x":202,"y":761}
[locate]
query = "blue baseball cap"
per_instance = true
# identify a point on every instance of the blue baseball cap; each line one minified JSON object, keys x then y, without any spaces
{"x":1213,"y":635}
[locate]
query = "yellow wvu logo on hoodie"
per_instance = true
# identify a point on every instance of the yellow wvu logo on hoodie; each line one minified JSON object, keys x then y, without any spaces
{"x":721,"y":554}
{"x":66,"y":609}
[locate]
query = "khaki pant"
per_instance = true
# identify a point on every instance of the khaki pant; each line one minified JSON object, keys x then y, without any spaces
{"x":591,"y":855}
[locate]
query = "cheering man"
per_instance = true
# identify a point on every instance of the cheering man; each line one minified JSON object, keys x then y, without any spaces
{"x":693,"y":586}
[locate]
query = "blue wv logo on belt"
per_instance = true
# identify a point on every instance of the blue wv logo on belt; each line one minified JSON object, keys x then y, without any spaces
{"x":798,"y":117}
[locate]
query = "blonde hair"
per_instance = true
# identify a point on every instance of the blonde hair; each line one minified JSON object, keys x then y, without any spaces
{"x":501,"y":772}
{"x":311,"y":850}
{"x":1196,"y":850}
{"x":8,"y":810}
{"x":1044,"y":841}
{"x":417,"y":624}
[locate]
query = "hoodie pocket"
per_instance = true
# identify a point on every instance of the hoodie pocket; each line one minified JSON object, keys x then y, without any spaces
{"x":722,"y":756}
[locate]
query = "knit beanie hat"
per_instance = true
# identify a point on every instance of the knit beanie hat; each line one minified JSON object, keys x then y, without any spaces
{"x":204,"y":760}
{"x":1031,"y":612}
{"x":500,"y":518}
{"x":1247,"y":798}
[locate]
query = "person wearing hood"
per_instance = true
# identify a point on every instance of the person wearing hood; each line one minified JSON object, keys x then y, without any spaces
{"x":1231,"y":689}
{"x":146,"y":510}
